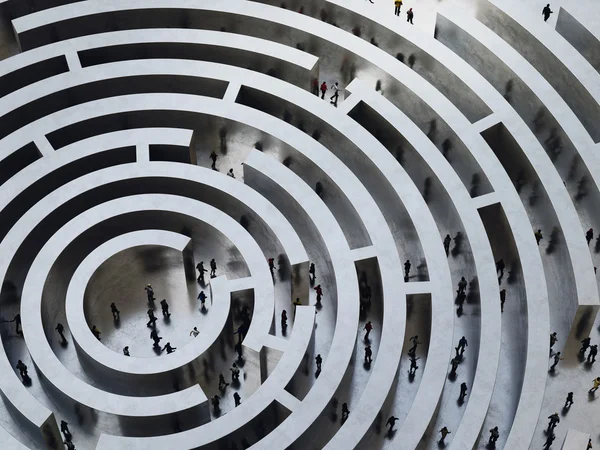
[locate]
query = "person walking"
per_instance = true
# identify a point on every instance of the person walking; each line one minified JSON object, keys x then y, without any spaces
{"x":238,"y":349}
{"x":152,"y":317}
{"x":156,"y":338}
{"x":592,"y":354}
{"x":311,"y":271}
{"x":391,"y":422}
{"x":589,"y":446}
{"x":168,"y":348}
{"x":213,"y":156}
{"x":319,"y":291}
{"x":237,"y":399}
{"x":557,"y":358}
{"x":454,"y":364}
{"x":502,"y":299}
{"x":409,"y":16}
{"x":64,"y":429}
{"x":202,"y":298}
{"x":115,"y":312}
{"x":345,"y":412}
{"x":444,"y":432}
{"x":314,"y":86}
{"x":463,"y":391}
{"x":462,"y":345}
{"x":368,"y":327}
{"x":553,"y":340}
{"x":494,"y":435}
{"x":413,"y":365}
{"x":406,"y":270}
{"x":318,"y":361}
{"x":235,"y":372}
{"x":165,"y":308}
{"x":553,"y":421}
{"x":271,"y":262}
{"x":589,"y":235}
{"x":200,"y":268}
{"x":149,"y":293}
{"x":22,"y":368}
{"x":18,"y":325}
{"x":569,"y":400}
{"x":241,"y":332}
{"x":585,"y":344}
{"x":61,"y":330}
{"x":415,"y":341}
{"x":500,"y":268}
{"x":213,"y":268}
{"x":323,"y":90}
{"x":462,"y":285}
{"x":397,"y":6}
{"x":216,"y":402}
{"x":284,"y":320}
{"x":549,"y":441}
{"x":96,"y":332}
{"x":368,"y":354}
{"x":595,"y":386}
{"x":447,"y":241}
{"x":336,"y":93}
{"x":538,"y":236}
{"x":222,"y":383}
{"x":546,"y":12}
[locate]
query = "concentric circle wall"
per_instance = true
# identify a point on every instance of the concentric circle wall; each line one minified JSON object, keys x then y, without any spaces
{"x":441,"y":158}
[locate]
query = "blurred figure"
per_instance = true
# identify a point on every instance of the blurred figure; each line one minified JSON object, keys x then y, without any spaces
{"x":314,"y":87}
{"x":392,"y":420}
{"x":546,"y":12}
{"x":447,"y":241}
{"x":538,"y":236}
{"x":345,"y":412}
{"x":589,"y":235}
{"x":494,"y":435}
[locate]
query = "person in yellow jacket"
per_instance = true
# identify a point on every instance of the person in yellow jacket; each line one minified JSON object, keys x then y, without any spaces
{"x":398,"y":5}
{"x":596,"y":385}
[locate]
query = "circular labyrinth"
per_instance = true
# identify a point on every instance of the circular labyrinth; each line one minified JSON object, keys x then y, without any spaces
{"x":390,"y":260}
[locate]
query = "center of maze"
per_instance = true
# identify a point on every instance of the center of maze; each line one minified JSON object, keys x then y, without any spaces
{"x":300,"y":225}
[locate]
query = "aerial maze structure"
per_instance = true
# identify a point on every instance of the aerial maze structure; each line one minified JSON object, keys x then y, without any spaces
{"x":485,"y":131}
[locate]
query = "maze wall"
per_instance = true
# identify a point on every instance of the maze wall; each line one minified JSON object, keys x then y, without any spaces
{"x":473,"y":137}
